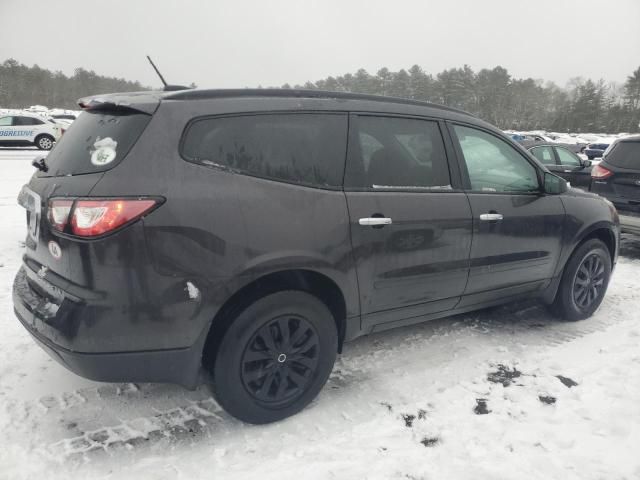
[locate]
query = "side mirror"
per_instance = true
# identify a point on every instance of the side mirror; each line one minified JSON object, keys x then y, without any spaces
{"x":553,"y":184}
{"x":585,"y":163}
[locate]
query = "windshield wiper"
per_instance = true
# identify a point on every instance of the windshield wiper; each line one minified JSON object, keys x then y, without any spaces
{"x":40,"y":164}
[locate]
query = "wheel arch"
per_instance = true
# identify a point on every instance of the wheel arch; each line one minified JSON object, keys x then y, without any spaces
{"x":603,"y":231}
{"x":309,"y":281}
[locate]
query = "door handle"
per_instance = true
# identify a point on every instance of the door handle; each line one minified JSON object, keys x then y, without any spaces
{"x":375,"y":221}
{"x":491,"y":217}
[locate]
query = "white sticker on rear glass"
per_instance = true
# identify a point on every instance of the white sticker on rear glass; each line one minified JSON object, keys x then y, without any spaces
{"x":103,"y":151}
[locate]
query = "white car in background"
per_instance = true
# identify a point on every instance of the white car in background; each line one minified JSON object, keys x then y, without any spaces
{"x":26,"y":129}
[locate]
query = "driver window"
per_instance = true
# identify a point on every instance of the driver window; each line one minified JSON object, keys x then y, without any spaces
{"x":567,"y":158}
{"x":493,"y":165}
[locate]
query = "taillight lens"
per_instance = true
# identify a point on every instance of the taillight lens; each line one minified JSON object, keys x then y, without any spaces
{"x":58,"y":213}
{"x":600,"y":173}
{"x":90,"y":218}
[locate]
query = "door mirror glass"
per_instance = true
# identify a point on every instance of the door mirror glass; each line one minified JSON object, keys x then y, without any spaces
{"x":553,"y":184}
{"x":586,"y":163}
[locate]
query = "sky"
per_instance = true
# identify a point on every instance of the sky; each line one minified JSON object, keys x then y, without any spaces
{"x":241,"y":43}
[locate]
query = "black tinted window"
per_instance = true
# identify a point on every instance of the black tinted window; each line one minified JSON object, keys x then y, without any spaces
{"x":26,"y":121}
{"x":396,"y":153}
{"x":625,"y":155}
{"x":95,"y":142}
{"x":297,"y":147}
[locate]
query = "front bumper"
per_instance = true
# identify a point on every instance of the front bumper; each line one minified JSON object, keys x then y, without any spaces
{"x":43,"y":313}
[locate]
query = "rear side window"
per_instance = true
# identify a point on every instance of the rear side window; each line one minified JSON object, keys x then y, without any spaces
{"x":303,"y":148}
{"x":625,"y":155}
{"x":95,"y":142}
{"x":544,"y":154}
{"x":389,"y":153}
{"x":26,"y":121}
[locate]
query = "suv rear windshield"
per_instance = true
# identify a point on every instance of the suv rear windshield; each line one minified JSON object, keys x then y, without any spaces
{"x":97,"y":141}
{"x":625,"y":155}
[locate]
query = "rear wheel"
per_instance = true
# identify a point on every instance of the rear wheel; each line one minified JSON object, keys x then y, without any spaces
{"x":44,"y":142}
{"x":275,"y":357}
{"x":584,"y":281}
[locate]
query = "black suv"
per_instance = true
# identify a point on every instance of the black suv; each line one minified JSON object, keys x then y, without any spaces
{"x":617,"y":178}
{"x":240,"y":237}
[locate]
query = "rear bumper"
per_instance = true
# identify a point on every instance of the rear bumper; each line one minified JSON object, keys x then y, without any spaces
{"x":39,"y":314}
{"x":629,"y":224}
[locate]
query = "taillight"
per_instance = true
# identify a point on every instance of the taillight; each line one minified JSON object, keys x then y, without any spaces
{"x":600,"y":173}
{"x":90,"y":218}
{"x":58,"y":213}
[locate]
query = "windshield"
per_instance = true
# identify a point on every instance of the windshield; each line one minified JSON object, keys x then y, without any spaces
{"x":95,"y":142}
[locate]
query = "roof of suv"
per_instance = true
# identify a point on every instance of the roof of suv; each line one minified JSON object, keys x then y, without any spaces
{"x":154,"y":96}
{"x":198,"y":94}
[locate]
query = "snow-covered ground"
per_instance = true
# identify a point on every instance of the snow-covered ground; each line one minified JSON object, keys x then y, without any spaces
{"x":506,"y":393}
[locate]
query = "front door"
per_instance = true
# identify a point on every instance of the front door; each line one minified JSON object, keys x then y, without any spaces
{"x":572,"y":168}
{"x":410,"y":222}
{"x":517,"y":230}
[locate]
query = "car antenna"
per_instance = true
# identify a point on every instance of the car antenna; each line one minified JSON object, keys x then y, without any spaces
{"x":167,"y":87}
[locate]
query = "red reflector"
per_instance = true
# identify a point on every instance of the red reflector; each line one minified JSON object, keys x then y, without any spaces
{"x":600,"y":173}
{"x":97,"y":217}
{"x":58,"y":213}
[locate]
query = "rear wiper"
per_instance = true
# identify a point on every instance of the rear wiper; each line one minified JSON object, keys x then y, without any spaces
{"x":40,"y":164}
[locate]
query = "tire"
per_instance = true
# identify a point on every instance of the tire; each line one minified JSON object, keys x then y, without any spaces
{"x":584,"y":281}
{"x":44,"y":142}
{"x":258,"y":376}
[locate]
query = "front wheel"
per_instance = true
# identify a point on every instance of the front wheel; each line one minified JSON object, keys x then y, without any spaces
{"x":44,"y":142}
{"x":584,"y":281}
{"x":275,"y":357}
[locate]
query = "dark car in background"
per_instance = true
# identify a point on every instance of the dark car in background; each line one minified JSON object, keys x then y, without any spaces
{"x":595,"y":150}
{"x":565,"y":164}
{"x":241,"y":237}
{"x":617,"y":178}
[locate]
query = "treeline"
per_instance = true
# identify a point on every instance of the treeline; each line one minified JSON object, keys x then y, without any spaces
{"x":22,"y":86}
{"x":494,"y":95}
{"x":491,"y":94}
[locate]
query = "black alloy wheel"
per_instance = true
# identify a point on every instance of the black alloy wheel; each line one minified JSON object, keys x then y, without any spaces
{"x":280,"y":360}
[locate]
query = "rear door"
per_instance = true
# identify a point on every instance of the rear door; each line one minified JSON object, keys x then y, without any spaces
{"x":410,"y":222}
{"x":517,"y":230}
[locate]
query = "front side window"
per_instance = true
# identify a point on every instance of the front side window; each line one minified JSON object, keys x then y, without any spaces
{"x":396,"y":153}
{"x":292,"y":147}
{"x":544,"y":154}
{"x":5,"y":121}
{"x":567,"y":158}
{"x":493,"y":165}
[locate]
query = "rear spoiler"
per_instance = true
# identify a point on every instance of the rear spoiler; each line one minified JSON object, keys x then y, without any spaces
{"x":141,"y":102}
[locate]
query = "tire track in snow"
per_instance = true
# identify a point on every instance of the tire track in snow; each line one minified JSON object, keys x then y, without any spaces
{"x":104,"y":419}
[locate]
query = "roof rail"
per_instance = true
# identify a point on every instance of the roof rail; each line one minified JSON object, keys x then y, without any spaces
{"x":202,"y":94}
